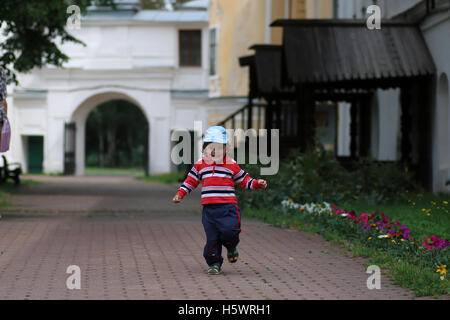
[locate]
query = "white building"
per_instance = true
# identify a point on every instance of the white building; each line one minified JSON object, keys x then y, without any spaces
{"x":130,"y":54}
{"x":434,"y":20}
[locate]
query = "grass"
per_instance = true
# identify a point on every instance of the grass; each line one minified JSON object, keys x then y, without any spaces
{"x":408,"y":274}
{"x":169,"y":178}
{"x":10,"y":187}
{"x":405,"y":273}
{"x":412,"y":213}
{"x":114,"y":171}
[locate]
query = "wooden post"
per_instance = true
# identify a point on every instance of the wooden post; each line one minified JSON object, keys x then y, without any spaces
{"x":406,"y":122}
{"x":311,"y":119}
{"x":269,"y":122}
{"x":423,"y":94}
{"x":250,"y":114}
{"x":364,"y":127}
{"x":306,"y":107}
{"x":354,"y":129}
{"x":269,"y":115}
{"x":301,"y":117}
{"x":278,"y":117}
{"x":259,"y":119}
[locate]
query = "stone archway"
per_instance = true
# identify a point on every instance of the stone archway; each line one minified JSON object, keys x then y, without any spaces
{"x":80,"y":116}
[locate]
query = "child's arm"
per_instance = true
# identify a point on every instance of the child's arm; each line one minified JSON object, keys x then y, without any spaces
{"x":191,"y":182}
{"x":244,"y":180}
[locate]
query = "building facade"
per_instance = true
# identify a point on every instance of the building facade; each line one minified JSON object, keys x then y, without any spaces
{"x":235,"y":25}
{"x":136,"y":55}
{"x":157,"y":60}
{"x":433,"y":16}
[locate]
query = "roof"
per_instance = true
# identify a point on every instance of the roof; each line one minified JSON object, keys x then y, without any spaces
{"x":246,"y":61}
{"x":149,"y":16}
{"x":195,"y":4}
{"x":330,"y":50}
{"x":172,"y":16}
{"x":268,"y":64}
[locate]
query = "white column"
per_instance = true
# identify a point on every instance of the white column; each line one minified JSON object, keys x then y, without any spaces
{"x":343,"y":148}
{"x":389,"y":113}
{"x":159,"y":149}
{"x":54,"y":146}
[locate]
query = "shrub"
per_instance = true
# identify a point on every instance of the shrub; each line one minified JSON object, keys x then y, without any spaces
{"x":318,"y":176}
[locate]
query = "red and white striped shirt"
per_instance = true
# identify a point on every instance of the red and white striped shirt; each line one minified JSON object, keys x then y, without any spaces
{"x":218,"y":180}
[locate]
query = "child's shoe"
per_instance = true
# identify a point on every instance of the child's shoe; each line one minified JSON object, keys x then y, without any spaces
{"x":233,"y":255}
{"x":215,"y":269}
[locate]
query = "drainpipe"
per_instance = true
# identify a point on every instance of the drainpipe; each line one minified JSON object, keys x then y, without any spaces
{"x":268,"y":20}
{"x":316,"y":9}
{"x":287,"y":9}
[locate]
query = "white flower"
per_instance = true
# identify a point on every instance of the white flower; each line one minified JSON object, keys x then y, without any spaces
{"x":382,"y":236}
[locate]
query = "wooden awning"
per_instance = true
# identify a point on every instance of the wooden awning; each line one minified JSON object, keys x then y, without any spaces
{"x":346,"y":51}
{"x":269,"y":72}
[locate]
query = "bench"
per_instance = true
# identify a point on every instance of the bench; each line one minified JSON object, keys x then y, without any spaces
{"x":10,"y":171}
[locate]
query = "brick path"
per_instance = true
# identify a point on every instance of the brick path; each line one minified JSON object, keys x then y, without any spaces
{"x":131,"y":242}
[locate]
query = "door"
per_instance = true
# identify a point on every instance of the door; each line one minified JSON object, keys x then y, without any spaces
{"x":69,"y":148}
{"x":35,"y":154}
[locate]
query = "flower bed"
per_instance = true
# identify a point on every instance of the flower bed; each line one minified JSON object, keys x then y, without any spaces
{"x":377,"y":231}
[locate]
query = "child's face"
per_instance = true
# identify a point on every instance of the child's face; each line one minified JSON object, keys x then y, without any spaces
{"x":216,"y":151}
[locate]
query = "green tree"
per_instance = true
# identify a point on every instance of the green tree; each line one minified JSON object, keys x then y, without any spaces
{"x":113,"y":129}
{"x":31,"y":30}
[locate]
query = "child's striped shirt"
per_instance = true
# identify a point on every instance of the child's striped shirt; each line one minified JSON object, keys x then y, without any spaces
{"x":218,"y":180}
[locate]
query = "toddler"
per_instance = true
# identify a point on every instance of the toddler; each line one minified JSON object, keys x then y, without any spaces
{"x":221,"y":216}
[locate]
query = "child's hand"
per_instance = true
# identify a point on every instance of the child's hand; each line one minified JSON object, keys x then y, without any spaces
{"x":176,"y":199}
{"x":262,"y":183}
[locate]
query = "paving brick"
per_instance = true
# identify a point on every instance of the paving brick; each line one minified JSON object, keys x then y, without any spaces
{"x":131,"y":242}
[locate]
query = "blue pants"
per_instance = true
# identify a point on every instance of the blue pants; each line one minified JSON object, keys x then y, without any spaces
{"x":222,"y":223}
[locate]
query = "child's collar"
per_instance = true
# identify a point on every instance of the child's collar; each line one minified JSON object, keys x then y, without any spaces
{"x":209,"y":160}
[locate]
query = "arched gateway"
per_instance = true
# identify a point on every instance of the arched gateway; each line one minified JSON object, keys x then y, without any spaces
{"x":75,"y":135}
{"x":131,"y":55}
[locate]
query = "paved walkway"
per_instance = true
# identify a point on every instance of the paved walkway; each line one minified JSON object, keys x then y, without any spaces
{"x":131,"y":242}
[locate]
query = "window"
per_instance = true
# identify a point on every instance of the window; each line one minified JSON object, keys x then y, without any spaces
{"x":212,"y":51}
{"x":190,"y":48}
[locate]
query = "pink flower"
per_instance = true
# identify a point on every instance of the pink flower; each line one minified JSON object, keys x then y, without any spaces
{"x":435,"y":242}
{"x":364,"y":218}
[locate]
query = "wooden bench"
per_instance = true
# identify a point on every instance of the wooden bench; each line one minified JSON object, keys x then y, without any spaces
{"x":10,"y":171}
